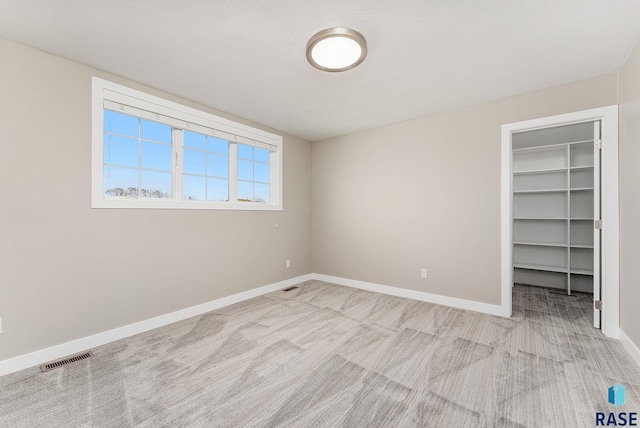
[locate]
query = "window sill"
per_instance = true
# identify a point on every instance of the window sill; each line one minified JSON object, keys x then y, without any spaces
{"x":183,"y":205}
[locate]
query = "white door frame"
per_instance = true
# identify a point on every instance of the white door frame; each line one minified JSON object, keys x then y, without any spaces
{"x":610,"y":241}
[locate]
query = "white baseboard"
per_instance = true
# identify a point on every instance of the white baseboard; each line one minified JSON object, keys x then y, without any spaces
{"x":79,"y":345}
{"x":37,"y":358}
{"x":59,"y":351}
{"x":470,"y":305}
{"x":631,"y":347}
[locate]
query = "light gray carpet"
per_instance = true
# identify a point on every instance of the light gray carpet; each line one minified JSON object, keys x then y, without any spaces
{"x":325,"y":355}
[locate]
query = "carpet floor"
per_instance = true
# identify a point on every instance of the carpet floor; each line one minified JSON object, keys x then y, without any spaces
{"x":324,"y":355}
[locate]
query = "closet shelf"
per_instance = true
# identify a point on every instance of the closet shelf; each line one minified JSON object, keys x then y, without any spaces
{"x":552,"y":244}
{"x":578,"y":168}
{"x":540,"y":191}
{"x":541,"y":218}
{"x":580,"y":142}
{"x":574,"y":167}
{"x":535,"y":149}
{"x":557,"y":146}
{"x":540,"y":171}
{"x":540,"y":244}
{"x":581,"y":245}
{"x":540,"y":267}
{"x":582,"y":271}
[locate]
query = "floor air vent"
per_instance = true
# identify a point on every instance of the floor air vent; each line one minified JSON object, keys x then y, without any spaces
{"x":290,"y":288}
{"x":64,"y":361}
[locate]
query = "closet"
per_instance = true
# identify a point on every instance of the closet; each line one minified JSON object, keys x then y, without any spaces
{"x":556,"y":202}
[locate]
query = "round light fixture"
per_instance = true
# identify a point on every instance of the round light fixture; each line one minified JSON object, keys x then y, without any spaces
{"x":336,"y":49}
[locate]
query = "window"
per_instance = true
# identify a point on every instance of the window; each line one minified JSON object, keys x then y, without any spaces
{"x":152,"y":153}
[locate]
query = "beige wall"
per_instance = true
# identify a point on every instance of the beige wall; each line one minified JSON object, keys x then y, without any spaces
{"x":425,"y":193}
{"x":629,"y":111}
{"x":68,"y":271}
{"x":386,"y":202}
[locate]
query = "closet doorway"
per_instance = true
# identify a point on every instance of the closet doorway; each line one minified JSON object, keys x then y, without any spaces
{"x":559,"y":190}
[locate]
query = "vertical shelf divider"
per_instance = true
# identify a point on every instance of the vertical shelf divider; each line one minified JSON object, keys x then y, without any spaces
{"x":568,"y":164}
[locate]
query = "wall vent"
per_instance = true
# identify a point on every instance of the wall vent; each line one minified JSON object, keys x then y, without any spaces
{"x":290,"y":288}
{"x":64,"y":361}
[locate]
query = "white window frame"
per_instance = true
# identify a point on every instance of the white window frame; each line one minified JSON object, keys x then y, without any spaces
{"x":186,"y":118}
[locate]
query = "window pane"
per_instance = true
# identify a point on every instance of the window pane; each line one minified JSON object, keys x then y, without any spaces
{"x":261,"y":155}
{"x":193,"y":188}
{"x":156,"y":156}
{"x":216,"y":145}
{"x":261,"y":172}
{"x":120,"y":181}
{"x":245,"y":170}
{"x":253,"y":175}
{"x":155,"y":185}
{"x":261,"y":193}
{"x":119,"y":123}
{"x":120,"y":150}
{"x":194,"y":140}
{"x":155,"y":131}
{"x":194,"y":162}
{"x":245,"y":191}
{"x":218,"y":166}
{"x":245,"y":152}
{"x":217,"y":189}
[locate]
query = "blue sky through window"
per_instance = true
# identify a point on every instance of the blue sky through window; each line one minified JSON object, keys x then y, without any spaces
{"x":253,"y":173}
{"x":137,"y":156}
{"x":205,"y":168}
{"x":138,"y":162}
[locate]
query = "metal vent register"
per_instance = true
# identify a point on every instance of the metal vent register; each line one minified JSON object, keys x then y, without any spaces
{"x":64,"y":361}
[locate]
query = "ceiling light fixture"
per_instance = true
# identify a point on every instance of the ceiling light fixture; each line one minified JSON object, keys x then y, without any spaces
{"x":336,"y":49}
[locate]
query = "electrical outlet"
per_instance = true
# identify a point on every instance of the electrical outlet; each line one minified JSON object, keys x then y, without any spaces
{"x":423,"y":273}
{"x":0,"y":325}
{"x":288,"y":263}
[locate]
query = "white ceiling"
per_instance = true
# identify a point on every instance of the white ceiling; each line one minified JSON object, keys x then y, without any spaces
{"x":248,"y":57}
